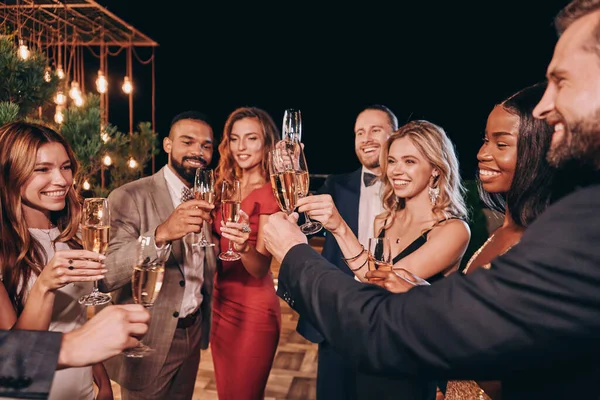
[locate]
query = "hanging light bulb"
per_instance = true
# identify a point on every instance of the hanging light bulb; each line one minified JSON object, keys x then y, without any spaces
{"x":23,"y":50}
{"x":60,"y":98}
{"x":74,"y":92}
{"x":78,"y":101}
{"x":101,"y":83}
{"x":60,"y":72}
{"x":86,"y":185}
{"x":132,"y":163}
{"x":47,"y":74}
{"x":127,"y":86}
{"x":58,"y":115}
{"x":104,"y":136}
{"x":107,"y":160}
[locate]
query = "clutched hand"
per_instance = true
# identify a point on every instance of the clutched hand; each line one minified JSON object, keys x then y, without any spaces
{"x":281,"y":233}
{"x":237,"y":232}
{"x":321,"y":208}
{"x":68,"y":266}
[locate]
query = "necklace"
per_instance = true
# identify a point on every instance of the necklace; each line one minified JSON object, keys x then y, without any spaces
{"x":48,"y":232}
{"x":479,"y":250}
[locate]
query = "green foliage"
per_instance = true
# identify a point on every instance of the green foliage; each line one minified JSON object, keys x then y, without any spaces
{"x":477,"y":221}
{"x":23,"y":89}
{"x":23,"y":81}
{"x":9,"y":112}
{"x":83,"y":130}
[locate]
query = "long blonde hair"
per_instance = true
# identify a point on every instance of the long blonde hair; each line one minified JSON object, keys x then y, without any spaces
{"x":433,"y":143}
{"x":21,"y":255}
{"x":228,"y":170}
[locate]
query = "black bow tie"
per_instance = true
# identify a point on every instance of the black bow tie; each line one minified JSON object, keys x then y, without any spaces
{"x":369,"y":179}
{"x":186,"y":194}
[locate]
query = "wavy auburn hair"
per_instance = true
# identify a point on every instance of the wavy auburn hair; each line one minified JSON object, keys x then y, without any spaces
{"x":21,"y":255}
{"x":435,"y":146}
{"x":228,"y":169}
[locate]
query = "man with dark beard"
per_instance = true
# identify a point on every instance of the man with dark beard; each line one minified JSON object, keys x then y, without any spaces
{"x":532,"y":320}
{"x":156,"y":207}
{"x":356,"y":196}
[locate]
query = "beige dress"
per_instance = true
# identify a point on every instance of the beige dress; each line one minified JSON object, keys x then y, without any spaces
{"x":67,"y":315}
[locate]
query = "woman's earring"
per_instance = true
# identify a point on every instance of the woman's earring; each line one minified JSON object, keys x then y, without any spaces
{"x":434,"y":192}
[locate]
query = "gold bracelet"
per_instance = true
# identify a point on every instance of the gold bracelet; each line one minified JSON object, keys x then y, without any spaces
{"x":361,"y":265}
{"x":356,"y":256}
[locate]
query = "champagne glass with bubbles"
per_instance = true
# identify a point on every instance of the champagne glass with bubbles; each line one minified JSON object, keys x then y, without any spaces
{"x":146,"y":283}
{"x":95,"y":233}
{"x":231,"y":200}
{"x":283,"y":179}
{"x":204,"y":189}
{"x":302,"y":182}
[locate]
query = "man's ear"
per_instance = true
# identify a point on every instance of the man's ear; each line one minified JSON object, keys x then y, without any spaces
{"x":167,"y":145}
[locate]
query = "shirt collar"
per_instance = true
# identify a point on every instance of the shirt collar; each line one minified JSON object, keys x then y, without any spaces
{"x":173,"y":181}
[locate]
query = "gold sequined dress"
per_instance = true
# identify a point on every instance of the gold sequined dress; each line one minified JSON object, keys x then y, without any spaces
{"x":469,"y":390}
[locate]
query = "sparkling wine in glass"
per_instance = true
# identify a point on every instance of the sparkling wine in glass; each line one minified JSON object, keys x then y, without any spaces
{"x":302,"y":185}
{"x":292,"y":125}
{"x":231,"y":200}
{"x":95,"y":234}
{"x":283,"y":179}
{"x":380,"y":255}
{"x":146,"y":282}
{"x":204,"y":189}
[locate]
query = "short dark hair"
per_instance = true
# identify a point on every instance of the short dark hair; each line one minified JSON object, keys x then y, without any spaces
{"x":573,"y":11}
{"x":391,"y":116}
{"x":532,"y":188}
{"x":195,"y":115}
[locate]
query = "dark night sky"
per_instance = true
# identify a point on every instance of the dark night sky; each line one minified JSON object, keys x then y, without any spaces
{"x":445,"y":61}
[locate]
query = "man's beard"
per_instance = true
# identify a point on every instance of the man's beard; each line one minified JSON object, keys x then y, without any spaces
{"x":580,"y":144}
{"x":187,"y":173}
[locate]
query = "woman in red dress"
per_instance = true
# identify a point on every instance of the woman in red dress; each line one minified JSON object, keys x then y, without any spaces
{"x":246,"y":314}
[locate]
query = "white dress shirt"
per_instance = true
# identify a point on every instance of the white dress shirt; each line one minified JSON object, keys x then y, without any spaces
{"x":193,"y":256}
{"x":369,"y":206}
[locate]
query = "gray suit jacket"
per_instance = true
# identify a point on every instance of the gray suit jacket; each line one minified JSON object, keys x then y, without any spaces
{"x":27,"y":363}
{"x":137,"y":208}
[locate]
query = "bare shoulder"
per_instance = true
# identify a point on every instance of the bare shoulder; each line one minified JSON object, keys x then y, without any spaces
{"x":452,"y":228}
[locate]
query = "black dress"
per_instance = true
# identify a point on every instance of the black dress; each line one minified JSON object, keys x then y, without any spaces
{"x":378,"y":387}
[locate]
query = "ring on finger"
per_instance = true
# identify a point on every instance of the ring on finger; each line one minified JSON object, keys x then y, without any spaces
{"x":71,"y":267}
{"x":246,"y":228}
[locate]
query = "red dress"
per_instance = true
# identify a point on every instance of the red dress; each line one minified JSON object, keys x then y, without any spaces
{"x":246,"y":314}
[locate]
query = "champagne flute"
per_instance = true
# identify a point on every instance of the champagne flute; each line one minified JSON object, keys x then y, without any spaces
{"x":302,"y":181}
{"x":292,"y":125}
{"x":146,"y":283}
{"x":380,"y":255}
{"x":231,"y":200}
{"x":204,"y":189}
{"x":95,"y":227}
{"x":283,"y":179}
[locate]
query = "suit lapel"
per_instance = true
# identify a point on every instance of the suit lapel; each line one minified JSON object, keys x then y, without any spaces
{"x":163,"y":204}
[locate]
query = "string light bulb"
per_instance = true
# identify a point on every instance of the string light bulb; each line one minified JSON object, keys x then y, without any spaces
{"x":132,"y":163}
{"x":78,"y":101}
{"x":60,"y":98}
{"x":107,"y":160}
{"x":127,"y":85}
{"x":58,"y":115}
{"x":86,"y":185}
{"x":47,"y":74}
{"x":74,"y":92}
{"x":101,"y":83}
{"x":104,"y":136}
{"x":60,"y":72}
{"x":24,"y":52}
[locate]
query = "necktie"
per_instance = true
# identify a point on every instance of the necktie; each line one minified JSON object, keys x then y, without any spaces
{"x":186,"y":194}
{"x":369,"y":179}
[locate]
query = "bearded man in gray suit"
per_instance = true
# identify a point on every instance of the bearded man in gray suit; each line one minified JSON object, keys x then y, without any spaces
{"x":156,"y":207}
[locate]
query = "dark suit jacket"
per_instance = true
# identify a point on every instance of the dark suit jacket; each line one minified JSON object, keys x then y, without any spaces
{"x":27,"y":363}
{"x":345,"y":191}
{"x":532,"y":321}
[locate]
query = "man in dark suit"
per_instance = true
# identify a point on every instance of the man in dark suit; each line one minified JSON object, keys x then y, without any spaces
{"x":533,"y":319}
{"x":356,"y":196}
{"x":29,"y":358}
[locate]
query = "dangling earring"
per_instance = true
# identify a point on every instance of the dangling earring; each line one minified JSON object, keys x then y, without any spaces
{"x":434,"y":192}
